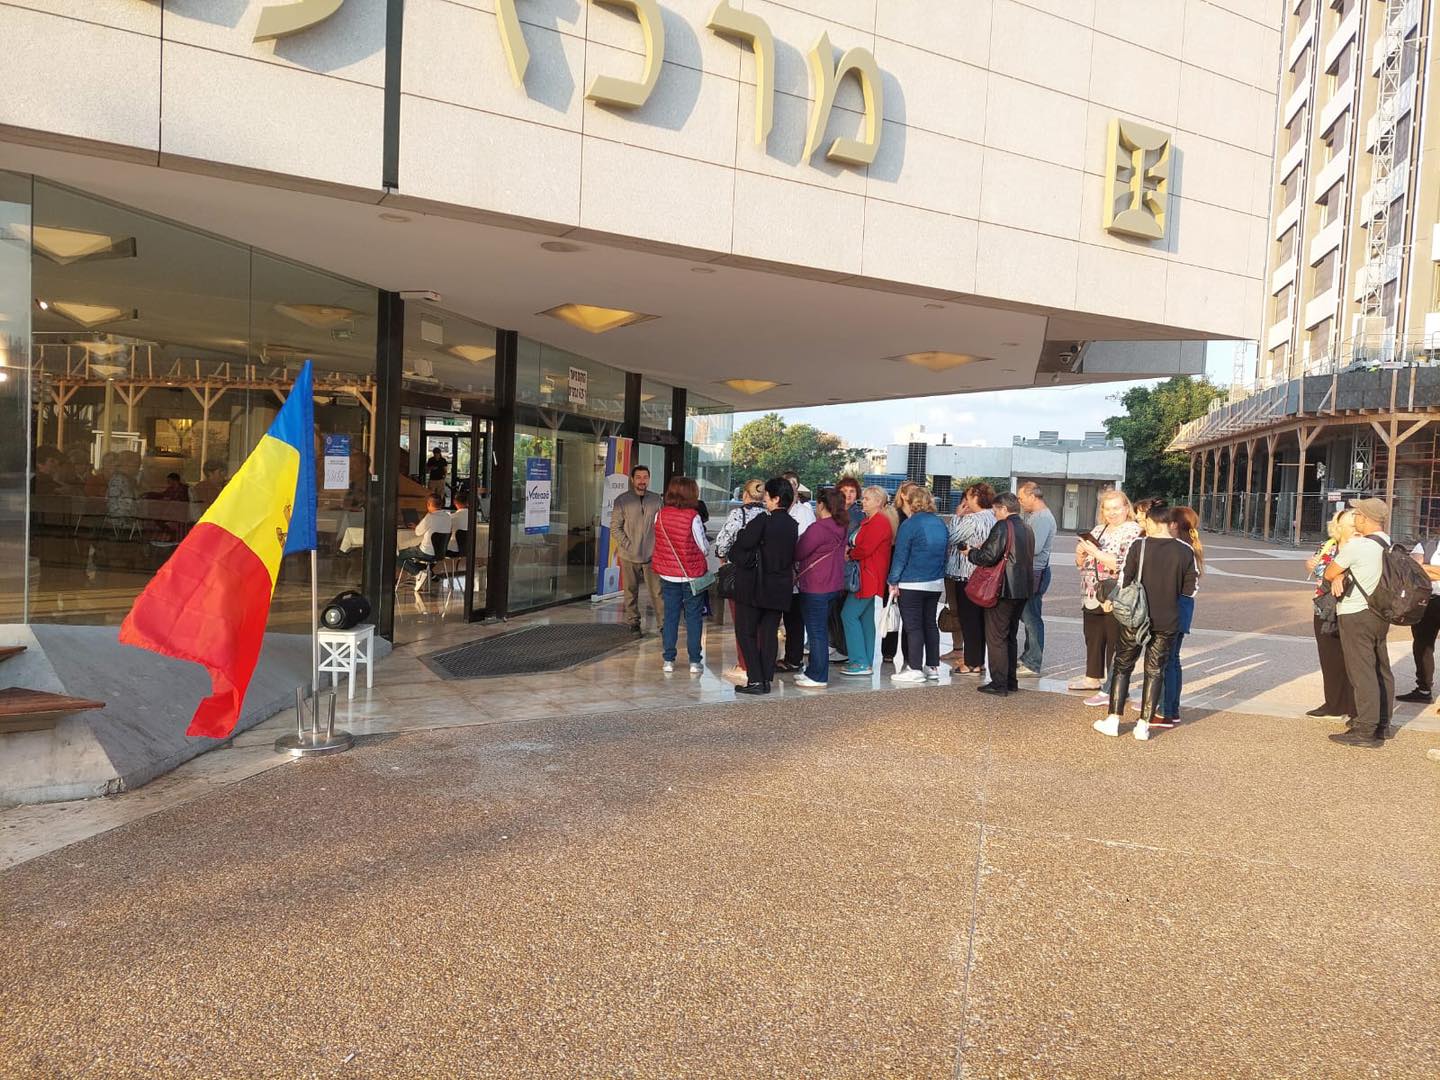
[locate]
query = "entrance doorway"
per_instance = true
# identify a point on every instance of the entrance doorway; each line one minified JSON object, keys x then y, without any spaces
{"x":446,"y":457}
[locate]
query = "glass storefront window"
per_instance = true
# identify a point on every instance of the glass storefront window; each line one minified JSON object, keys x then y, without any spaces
{"x":555,"y":379}
{"x":14,"y":392}
{"x":657,"y":404}
{"x":709,"y":438}
{"x":552,"y":554}
{"x":161,"y":356}
{"x":448,"y":355}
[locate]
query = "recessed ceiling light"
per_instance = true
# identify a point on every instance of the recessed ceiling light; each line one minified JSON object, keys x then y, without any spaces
{"x":934,"y":360}
{"x":89,"y":315}
{"x":318,"y":316}
{"x":101,"y":348}
{"x":66,"y":246}
{"x":394,"y":218}
{"x":561,"y":247}
{"x":1009,"y":344}
{"x":476,"y":354}
{"x":596,"y":320}
{"x":702,"y":269}
{"x":751,"y":386}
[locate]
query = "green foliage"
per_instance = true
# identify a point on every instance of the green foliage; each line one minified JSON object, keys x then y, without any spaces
{"x":1152,"y":417}
{"x":768,"y":447}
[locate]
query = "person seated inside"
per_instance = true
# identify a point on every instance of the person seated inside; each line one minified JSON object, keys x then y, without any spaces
{"x":217,"y":475}
{"x":436,"y":520}
{"x":459,"y":520}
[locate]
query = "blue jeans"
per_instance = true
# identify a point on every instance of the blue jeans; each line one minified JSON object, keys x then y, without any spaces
{"x":1034,"y":625}
{"x":859,"y":619}
{"x":815,"y":607}
{"x":1170,"y":701}
{"x":677,"y":595}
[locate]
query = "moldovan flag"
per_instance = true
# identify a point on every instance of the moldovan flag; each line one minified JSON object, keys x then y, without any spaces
{"x":210,"y":601}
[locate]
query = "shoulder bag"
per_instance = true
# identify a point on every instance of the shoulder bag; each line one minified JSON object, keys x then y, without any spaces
{"x":699,"y":585}
{"x":986,"y":582}
{"x":1129,"y":604}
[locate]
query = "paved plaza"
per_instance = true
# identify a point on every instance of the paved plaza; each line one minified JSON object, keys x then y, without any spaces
{"x":608,"y":873}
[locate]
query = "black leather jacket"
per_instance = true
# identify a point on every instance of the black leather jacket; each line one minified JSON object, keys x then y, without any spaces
{"x":1020,"y":566}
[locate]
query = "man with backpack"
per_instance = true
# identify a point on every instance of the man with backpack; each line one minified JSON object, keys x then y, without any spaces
{"x":1363,"y":628}
{"x":1427,"y":555}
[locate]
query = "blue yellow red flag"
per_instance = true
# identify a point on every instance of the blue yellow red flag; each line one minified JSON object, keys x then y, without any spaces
{"x":210,"y":602}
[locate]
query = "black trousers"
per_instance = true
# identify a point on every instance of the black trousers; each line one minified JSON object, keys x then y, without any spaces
{"x":755,"y":630}
{"x":972,"y":629}
{"x":1002,"y":628}
{"x":1339,"y":694}
{"x":1362,"y":636}
{"x":922,"y":635}
{"x":953,"y":588}
{"x":1425,"y":631}
{"x":1102,"y":641}
{"x":795,"y":633}
{"x":1157,"y":655}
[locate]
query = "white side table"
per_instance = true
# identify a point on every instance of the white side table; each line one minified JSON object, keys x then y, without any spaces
{"x":341,"y":651}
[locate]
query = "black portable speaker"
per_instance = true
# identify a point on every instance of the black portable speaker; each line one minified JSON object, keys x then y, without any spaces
{"x":347,"y":610}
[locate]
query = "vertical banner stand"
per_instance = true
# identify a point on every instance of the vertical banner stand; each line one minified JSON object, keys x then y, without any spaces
{"x":315,"y":731}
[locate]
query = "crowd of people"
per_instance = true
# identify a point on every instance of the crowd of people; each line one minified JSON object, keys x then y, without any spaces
{"x":857,"y":579}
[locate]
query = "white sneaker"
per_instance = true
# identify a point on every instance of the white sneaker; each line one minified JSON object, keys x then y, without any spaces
{"x":932,"y":674}
{"x":908,"y":677}
{"x":668,"y":667}
{"x":1023,"y":672}
{"x":1109,"y":726}
{"x":696,"y":669}
{"x":1142,"y":730}
{"x":806,"y":683}
{"x":1083,"y":683}
{"x":837,"y":657}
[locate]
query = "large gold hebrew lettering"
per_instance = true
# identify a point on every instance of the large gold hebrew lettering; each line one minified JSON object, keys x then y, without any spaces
{"x":623,"y":93}
{"x":746,"y":27}
{"x":1137,"y":178}
{"x":282,"y":20}
{"x":825,"y":79}
{"x":517,"y":53}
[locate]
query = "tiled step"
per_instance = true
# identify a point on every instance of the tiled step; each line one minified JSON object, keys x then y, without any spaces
{"x":37,"y":710}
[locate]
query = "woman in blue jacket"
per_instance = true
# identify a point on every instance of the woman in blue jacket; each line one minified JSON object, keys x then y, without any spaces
{"x":917,"y":578}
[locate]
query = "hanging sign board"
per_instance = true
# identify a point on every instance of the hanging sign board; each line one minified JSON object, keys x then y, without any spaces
{"x":619,"y":453}
{"x":579,"y":387}
{"x":337,"y":462}
{"x":537,"y":496}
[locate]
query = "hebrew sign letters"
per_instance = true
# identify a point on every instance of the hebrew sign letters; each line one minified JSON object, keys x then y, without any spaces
{"x":742,"y":26}
{"x":825,"y":79}
{"x":1137,"y":178}
{"x":281,"y":18}
{"x":284,"y":19}
{"x":622,"y":93}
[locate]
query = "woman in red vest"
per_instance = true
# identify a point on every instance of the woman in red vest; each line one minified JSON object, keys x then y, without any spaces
{"x":680,"y":557}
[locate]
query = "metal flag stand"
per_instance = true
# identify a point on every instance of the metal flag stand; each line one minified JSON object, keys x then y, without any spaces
{"x":319,"y":737}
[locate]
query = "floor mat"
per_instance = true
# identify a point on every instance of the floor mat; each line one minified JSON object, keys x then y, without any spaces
{"x":524,"y":652}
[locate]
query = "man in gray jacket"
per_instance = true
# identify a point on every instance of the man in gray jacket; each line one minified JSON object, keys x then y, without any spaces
{"x":631,"y":525}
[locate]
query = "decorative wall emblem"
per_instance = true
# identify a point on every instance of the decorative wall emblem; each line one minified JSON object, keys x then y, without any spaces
{"x":282,"y":20}
{"x":1137,"y":178}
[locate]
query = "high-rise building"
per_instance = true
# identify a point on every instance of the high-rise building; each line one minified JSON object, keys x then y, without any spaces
{"x":1346,"y":394}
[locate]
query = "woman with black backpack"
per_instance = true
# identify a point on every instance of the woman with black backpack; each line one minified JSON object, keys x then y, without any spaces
{"x":1164,"y":570}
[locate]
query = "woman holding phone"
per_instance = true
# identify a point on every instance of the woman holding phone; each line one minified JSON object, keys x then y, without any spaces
{"x":1100,"y":554}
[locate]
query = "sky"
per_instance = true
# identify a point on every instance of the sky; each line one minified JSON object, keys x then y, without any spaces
{"x":987,"y":419}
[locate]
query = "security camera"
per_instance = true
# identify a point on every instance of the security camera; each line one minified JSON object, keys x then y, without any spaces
{"x":429,"y":295}
{"x":1070,"y":358}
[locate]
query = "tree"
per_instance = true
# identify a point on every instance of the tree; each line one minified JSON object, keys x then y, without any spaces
{"x":768,"y":447}
{"x":1153,"y":414}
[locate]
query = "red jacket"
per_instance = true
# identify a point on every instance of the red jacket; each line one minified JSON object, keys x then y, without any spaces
{"x":676,"y":554}
{"x":873,"y":544}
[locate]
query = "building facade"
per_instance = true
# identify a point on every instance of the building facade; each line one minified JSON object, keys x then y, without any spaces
{"x":558,"y":239}
{"x":1344,"y":393}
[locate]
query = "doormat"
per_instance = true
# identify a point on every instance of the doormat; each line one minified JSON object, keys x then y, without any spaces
{"x":528,"y":651}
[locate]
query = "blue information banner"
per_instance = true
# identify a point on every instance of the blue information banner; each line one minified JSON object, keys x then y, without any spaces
{"x":537,"y":495}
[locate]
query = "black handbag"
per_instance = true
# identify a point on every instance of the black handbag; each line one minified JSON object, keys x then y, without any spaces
{"x":725,"y":581}
{"x":1325,"y":611}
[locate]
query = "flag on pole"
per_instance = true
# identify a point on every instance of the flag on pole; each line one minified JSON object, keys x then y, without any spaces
{"x":210,"y":601}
